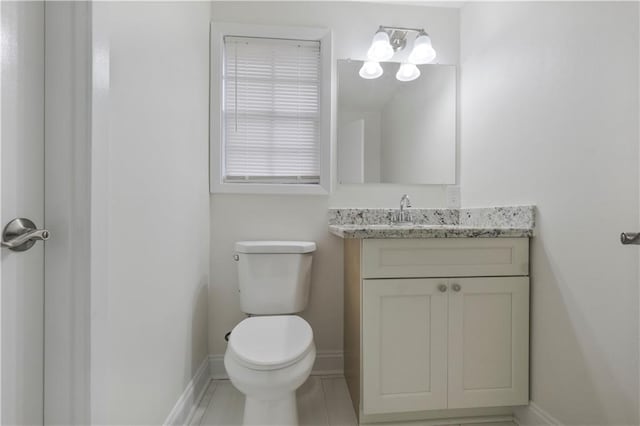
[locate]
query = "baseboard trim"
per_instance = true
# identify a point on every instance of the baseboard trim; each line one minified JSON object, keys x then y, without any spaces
{"x":216,"y":366}
{"x":533,"y":415}
{"x":327,"y":363}
{"x":188,"y":401}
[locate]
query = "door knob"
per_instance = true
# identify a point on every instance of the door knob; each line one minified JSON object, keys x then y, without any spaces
{"x":442,"y":288}
{"x":456,"y":287}
{"x":628,"y":238}
{"x":21,"y":234}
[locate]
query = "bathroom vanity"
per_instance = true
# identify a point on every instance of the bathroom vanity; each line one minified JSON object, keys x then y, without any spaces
{"x":436,"y":313}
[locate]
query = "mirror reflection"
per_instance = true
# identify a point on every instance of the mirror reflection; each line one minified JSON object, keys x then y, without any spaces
{"x":390,"y":131}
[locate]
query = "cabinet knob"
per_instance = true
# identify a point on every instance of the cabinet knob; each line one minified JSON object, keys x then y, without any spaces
{"x":442,"y":288}
{"x":456,"y":287}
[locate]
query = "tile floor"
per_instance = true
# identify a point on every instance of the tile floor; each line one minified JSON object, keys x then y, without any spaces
{"x":322,"y":401}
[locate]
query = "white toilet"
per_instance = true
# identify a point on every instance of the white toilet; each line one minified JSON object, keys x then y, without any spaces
{"x":271,"y":354}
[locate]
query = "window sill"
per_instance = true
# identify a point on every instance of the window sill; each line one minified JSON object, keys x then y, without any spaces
{"x":260,"y":188}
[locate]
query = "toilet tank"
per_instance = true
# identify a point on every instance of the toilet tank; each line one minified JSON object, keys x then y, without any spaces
{"x":274,"y":277}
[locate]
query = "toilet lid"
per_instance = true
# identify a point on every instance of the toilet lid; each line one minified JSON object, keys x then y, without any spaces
{"x":271,"y":342}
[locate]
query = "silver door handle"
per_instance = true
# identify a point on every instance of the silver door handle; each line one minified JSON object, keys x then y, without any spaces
{"x":628,"y":238}
{"x":21,"y":234}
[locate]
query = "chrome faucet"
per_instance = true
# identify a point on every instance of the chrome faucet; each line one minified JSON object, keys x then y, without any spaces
{"x":403,"y":216}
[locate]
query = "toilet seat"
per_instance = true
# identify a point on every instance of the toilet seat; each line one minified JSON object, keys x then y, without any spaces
{"x":270,"y":342}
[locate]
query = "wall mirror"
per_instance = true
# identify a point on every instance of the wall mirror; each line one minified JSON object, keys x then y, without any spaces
{"x":389,"y":131}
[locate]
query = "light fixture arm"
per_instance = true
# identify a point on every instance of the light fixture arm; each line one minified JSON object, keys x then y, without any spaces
{"x":398,"y":35}
{"x":406,"y":29}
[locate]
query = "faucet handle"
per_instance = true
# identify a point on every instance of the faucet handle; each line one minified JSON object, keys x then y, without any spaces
{"x":405,"y":201}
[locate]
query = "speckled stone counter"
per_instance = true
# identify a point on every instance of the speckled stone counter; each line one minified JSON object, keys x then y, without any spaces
{"x":495,"y":222}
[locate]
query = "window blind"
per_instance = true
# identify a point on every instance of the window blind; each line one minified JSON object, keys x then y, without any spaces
{"x":271,"y":110}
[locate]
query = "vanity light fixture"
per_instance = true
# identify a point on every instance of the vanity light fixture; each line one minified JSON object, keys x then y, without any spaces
{"x":389,"y":40}
{"x":381,"y":49}
{"x":423,"y":52}
{"x":407,"y":72}
{"x":371,"y":70}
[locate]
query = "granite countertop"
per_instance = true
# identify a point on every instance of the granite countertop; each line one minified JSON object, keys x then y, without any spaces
{"x":494,"y":222}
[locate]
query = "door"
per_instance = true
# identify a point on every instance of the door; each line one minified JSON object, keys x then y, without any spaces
{"x":404,"y":345}
{"x":488,"y":342}
{"x":22,"y":195}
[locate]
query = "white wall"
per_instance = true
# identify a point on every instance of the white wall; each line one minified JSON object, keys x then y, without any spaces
{"x":550,"y":117}
{"x":150,"y":217}
{"x":237,"y":217}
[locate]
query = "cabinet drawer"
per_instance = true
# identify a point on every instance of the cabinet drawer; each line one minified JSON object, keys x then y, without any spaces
{"x":446,"y":257}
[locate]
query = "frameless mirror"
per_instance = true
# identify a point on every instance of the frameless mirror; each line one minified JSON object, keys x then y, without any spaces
{"x":391,"y":131}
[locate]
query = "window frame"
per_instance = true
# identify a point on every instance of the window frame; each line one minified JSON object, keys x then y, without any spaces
{"x":216,"y":142}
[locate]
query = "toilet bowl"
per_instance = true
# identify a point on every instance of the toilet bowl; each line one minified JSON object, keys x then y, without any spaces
{"x":267,"y":359}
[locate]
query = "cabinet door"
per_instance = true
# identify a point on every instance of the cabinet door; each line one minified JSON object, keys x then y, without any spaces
{"x":488,"y":342}
{"x":404,"y":345}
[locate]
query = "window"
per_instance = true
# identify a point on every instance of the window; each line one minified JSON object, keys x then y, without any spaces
{"x":269,"y":116}
{"x":271,"y":110}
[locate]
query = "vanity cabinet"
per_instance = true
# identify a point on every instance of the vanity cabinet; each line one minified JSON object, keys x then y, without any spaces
{"x":436,"y":325}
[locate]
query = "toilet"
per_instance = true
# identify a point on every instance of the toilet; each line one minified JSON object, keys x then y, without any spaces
{"x":271,"y":353}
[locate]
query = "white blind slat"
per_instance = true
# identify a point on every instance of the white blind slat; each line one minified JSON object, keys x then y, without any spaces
{"x":271,"y":110}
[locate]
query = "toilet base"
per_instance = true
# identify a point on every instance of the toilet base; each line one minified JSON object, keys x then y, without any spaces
{"x":273,"y":412}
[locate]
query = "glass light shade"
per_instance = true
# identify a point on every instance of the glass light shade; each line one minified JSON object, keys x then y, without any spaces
{"x":422,"y":52}
{"x":370,"y":70}
{"x":407,"y":72}
{"x":380,"y":49}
